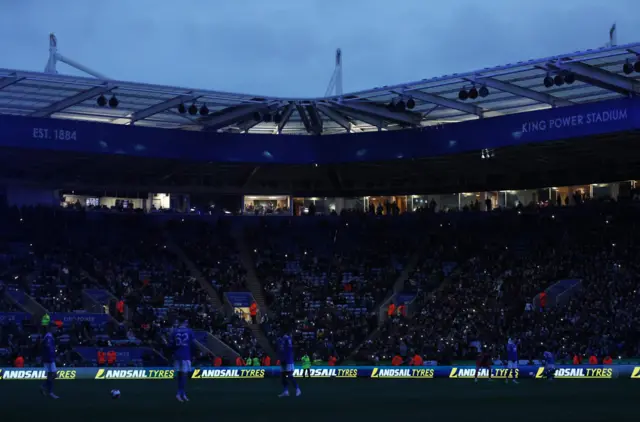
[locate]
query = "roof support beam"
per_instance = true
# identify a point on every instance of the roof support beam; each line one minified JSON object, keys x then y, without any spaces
{"x":373,"y":121}
{"x":598,"y":77}
{"x":338,"y":118}
{"x":405,"y":119}
{"x":285,"y":118}
{"x":159,"y":108}
{"x":9,"y":80}
{"x":540,"y":97}
{"x":335,"y":178}
{"x":314,"y":119}
{"x":227,"y":117}
{"x":304,"y":118}
{"x":443,"y":102}
{"x":71,"y":101}
{"x":248,"y":178}
{"x":246,"y":125}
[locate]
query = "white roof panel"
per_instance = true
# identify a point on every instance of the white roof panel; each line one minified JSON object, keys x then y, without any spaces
{"x":521,"y":86}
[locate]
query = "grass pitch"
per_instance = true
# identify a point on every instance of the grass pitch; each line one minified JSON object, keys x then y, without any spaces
{"x":325,"y":400}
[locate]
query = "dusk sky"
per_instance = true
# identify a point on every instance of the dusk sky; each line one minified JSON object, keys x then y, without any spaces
{"x":287,"y":47}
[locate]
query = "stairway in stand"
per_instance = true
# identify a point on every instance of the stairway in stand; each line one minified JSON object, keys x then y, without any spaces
{"x":197,"y":275}
{"x":215,"y":346}
{"x":398,"y":285}
{"x":255,"y":287}
{"x":246,"y":259}
{"x":263,"y":340}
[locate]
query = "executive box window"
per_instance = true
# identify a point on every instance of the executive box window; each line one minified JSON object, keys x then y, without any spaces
{"x":92,"y":202}
{"x":266,"y":205}
{"x":386,"y":205}
{"x":327,"y":205}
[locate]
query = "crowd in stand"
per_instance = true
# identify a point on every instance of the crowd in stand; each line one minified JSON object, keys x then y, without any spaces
{"x":213,"y":251}
{"x":475,"y":280}
{"x":325,"y":278}
{"x":53,"y":256}
{"x":489,"y":296}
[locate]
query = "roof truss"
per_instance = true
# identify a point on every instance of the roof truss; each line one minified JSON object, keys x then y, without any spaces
{"x":9,"y":80}
{"x":159,"y":108}
{"x":247,"y":125}
{"x":370,"y":120}
{"x":406,"y":119}
{"x":304,"y":118}
{"x":598,"y":77}
{"x":338,"y":118}
{"x":540,"y":97}
{"x":73,"y":100}
{"x":314,"y":119}
{"x":285,"y":117}
{"x":64,"y":96}
{"x":444,"y":102}
{"x":226,"y":118}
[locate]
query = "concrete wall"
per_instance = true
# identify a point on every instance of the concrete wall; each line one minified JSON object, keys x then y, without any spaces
{"x":31,"y":196}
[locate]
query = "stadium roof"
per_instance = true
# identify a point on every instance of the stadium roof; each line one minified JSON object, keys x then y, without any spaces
{"x":513,"y":88}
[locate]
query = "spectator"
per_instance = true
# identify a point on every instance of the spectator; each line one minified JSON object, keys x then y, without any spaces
{"x":111,"y":358}
{"x":253,"y":310}
{"x":325,"y":280}
{"x":266,"y":360}
{"x":102,"y":358}
{"x":19,"y":362}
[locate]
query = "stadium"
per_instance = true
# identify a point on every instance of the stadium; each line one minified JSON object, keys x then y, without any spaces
{"x":395,"y":233}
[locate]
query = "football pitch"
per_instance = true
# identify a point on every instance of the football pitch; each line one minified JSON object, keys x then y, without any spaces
{"x":325,"y":400}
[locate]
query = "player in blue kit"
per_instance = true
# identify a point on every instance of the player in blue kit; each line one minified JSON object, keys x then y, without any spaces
{"x":549,"y":365}
{"x":49,"y":361}
{"x":512,"y":360}
{"x":182,"y":340}
{"x":286,"y":355}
